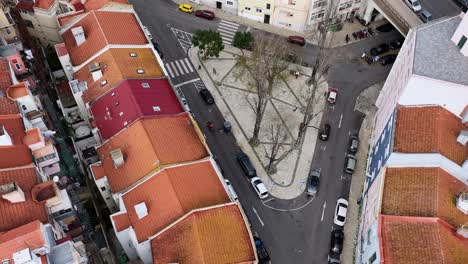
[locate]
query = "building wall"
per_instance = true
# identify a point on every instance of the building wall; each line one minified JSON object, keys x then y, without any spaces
{"x":144,"y":252}
{"x":462,"y":30}
{"x":125,"y":240}
{"x":105,"y":190}
{"x":256,"y":9}
{"x":227,"y":5}
{"x":48,"y":26}
{"x":367,"y":248}
{"x":291,"y":14}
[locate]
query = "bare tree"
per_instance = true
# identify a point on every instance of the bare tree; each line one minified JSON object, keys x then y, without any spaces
{"x":278,"y":136}
{"x":263,"y":69}
{"x":320,"y":65}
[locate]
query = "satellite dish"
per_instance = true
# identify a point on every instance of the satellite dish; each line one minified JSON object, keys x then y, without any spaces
{"x":56,"y":179}
{"x":82,"y":131}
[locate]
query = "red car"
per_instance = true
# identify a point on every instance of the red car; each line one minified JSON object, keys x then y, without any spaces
{"x":297,"y":40}
{"x":332,"y":94}
{"x":205,"y":14}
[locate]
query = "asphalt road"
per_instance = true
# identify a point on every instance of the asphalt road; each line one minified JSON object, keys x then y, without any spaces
{"x":440,"y":8}
{"x":298,"y":230}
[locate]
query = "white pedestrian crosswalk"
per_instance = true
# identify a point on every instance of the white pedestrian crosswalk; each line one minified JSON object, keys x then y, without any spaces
{"x":227,"y":30}
{"x":179,"y":68}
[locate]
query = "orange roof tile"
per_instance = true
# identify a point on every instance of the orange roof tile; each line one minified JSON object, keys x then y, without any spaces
{"x":15,"y":156}
{"x":209,"y":236}
{"x":102,"y":28}
{"x":422,"y":192}
{"x":60,"y":49}
{"x":33,"y":136}
{"x":67,"y":17}
{"x":121,"y":221}
{"x":44,"y":151}
{"x":13,"y":124}
{"x":172,"y":193}
{"x":8,"y":106}
{"x":16,"y":214}
{"x":97,"y":4}
{"x":17,"y":91}
{"x":17,"y":239}
{"x":149,"y":143}
{"x":117,"y":65}
{"x":98,"y":171}
{"x":44,"y":4}
{"x":420,"y":240}
{"x":431,"y":129}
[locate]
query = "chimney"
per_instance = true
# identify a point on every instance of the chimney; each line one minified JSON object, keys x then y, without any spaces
{"x":12,"y":193}
{"x":463,"y":137}
{"x":79,"y":35}
{"x":117,"y":157}
{"x":95,"y":70}
{"x":462,"y":203}
{"x":5,"y":139}
{"x":141,"y":210}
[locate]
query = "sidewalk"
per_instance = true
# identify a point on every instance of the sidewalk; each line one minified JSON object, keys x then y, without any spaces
{"x":230,"y":95}
{"x":364,"y":104}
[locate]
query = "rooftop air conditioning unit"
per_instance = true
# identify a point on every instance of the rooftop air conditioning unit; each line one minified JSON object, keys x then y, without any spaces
{"x":79,"y":35}
{"x":117,"y":157}
{"x":462,"y":203}
{"x":463,"y":137}
{"x":95,"y":69}
{"x":141,"y":210}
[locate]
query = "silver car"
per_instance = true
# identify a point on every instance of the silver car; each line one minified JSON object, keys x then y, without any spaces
{"x":313,"y":182}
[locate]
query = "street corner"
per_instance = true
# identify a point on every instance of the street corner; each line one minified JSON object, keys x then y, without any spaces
{"x":366,"y":100}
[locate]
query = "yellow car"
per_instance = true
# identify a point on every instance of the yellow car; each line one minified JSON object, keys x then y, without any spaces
{"x":186,"y":8}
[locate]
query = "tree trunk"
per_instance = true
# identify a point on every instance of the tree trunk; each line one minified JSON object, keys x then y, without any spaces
{"x":258,"y":120}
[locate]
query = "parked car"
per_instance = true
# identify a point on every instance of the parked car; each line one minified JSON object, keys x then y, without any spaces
{"x":425,"y":16}
{"x":147,"y":32}
{"x":158,"y":49}
{"x":334,"y":258}
{"x":205,"y":14}
{"x":297,"y":40}
{"x":413,"y":5}
{"x":332,"y":94}
{"x":262,"y":253}
{"x":463,"y":4}
{"x":340,"y":212}
{"x":382,"y":48}
{"x":350,"y":163}
{"x":206,"y":95}
{"x":259,"y":187}
{"x":388,"y":59}
{"x":396,"y":44}
{"x":353,"y":144}
{"x":336,"y":243}
{"x":246,"y":165}
{"x":186,"y":8}
{"x":232,"y":193}
{"x":313,"y":182}
{"x":324,"y":133}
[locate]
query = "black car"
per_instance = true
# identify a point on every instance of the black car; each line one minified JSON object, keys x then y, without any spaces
{"x":396,"y":44}
{"x":382,"y":48}
{"x":207,"y":97}
{"x":158,"y":49}
{"x":324,"y":133}
{"x":313,"y":182}
{"x":388,"y":59}
{"x":463,"y":4}
{"x":262,"y":253}
{"x":246,"y":165}
{"x":333,"y":258}
{"x":353,"y":144}
{"x":336,"y":243}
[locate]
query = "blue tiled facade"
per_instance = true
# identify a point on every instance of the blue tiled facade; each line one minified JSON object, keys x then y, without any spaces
{"x":381,"y":150}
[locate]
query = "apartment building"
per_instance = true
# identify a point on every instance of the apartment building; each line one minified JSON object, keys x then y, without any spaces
{"x":257,"y":10}
{"x":417,"y":170}
{"x":8,"y":30}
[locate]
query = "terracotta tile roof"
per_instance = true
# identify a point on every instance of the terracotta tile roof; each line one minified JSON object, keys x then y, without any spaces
{"x":210,"y":236}
{"x":136,"y":99}
{"x":98,"y":171}
{"x":13,"y":124}
{"x":117,"y":65}
{"x":431,"y":129}
{"x":33,"y":136}
{"x":16,"y":214}
{"x":420,"y":240}
{"x":422,"y":192}
{"x":149,"y":143}
{"x":121,"y":222}
{"x":67,"y":17}
{"x":17,"y":154}
{"x":102,"y":28}
{"x":172,"y":193}
{"x":18,"y":90}
{"x":25,"y":6}
{"x":8,"y":107}
{"x":5,"y":76}
{"x":28,"y":235}
{"x":44,"y":4}
{"x":97,"y":4}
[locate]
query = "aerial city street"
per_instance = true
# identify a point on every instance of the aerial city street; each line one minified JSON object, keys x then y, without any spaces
{"x":234,"y":131}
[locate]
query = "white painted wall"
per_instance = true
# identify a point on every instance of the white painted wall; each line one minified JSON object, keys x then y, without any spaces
{"x":105,"y":190}
{"x":125,"y":240}
{"x":462,"y":30}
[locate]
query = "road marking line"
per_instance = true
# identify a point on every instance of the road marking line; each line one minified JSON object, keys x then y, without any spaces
{"x":184,"y":83}
{"x":259,"y":219}
{"x":323,"y":211}
{"x":174,"y":68}
{"x":269,"y":200}
{"x":180,"y":68}
{"x":228,"y":22}
{"x":183,"y":65}
{"x":228,"y":40}
{"x":171,"y":74}
{"x":226,"y":32}
{"x":188,"y":64}
{"x":341,"y":119}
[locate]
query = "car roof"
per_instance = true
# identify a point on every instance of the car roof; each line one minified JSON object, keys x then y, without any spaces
{"x":261,"y":186}
{"x":342,"y":211}
{"x":315,"y":173}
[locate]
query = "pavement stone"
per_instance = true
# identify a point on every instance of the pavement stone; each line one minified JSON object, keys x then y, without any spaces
{"x":364,"y":104}
{"x":230,"y":94}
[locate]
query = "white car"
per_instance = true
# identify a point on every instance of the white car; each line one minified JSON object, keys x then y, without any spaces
{"x":259,"y":187}
{"x":332,"y":94}
{"x":230,"y":189}
{"x":147,"y":32}
{"x":340,"y":212}
{"x":413,"y":5}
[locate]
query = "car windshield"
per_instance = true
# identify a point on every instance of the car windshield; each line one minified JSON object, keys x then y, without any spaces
{"x":341,"y":218}
{"x":314,"y":181}
{"x":257,"y":182}
{"x":344,"y":205}
{"x":415,"y":3}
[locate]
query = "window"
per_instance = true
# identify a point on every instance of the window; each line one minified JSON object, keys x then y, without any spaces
{"x":319,"y":3}
{"x":316,"y":15}
{"x":121,"y":114}
{"x":268,"y":6}
{"x":46,"y":157}
{"x":229,"y":3}
{"x":462,"y":42}
{"x":112,"y":94}
{"x":28,"y":23}
{"x":247,"y":8}
{"x":373,"y":258}
{"x":156,"y":108}
{"x":8,"y":31}
{"x":133,"y":54}
{"x":140,"y":71}
{"x":17,"y":66}
{"x":103,"y":189}
{"x":116,"y":103}
{"x":24,"y":11}
{"x":145,"y":85}
{"x":259,"y":10}
{"x":292,"y":2}
{"x":357,"y":1}
{"x":103,"y":83}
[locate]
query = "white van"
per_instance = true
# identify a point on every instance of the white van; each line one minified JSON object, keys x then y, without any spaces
{"x":231,"y":191}
{"x":413,"y":5}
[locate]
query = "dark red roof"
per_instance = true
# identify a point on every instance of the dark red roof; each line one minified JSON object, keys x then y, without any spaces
{"x":25,"y":6}
{"x":130,"y":101}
